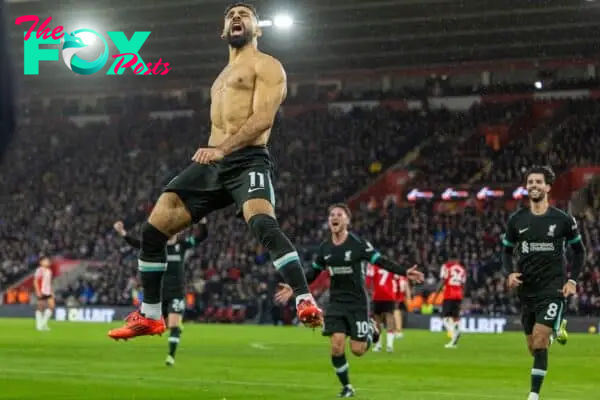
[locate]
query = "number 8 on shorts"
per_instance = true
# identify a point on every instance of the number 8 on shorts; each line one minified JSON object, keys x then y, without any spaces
{"x":551,"y":314}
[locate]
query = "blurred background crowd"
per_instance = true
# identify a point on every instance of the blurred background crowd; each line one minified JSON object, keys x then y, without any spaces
{"x":68,"y":181}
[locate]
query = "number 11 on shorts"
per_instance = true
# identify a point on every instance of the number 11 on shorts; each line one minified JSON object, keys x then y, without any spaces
{"x":253,"y":180}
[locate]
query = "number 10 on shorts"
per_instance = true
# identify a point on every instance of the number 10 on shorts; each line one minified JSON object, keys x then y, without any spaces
{"x":362,"y":328}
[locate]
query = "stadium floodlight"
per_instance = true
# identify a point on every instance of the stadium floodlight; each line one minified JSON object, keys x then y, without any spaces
{"x":265,"y":22}
{"x":283,"y":21}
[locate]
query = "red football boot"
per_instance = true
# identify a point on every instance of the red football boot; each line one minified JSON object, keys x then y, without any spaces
{"x":138,"y":325}
{"x":309,"y":313}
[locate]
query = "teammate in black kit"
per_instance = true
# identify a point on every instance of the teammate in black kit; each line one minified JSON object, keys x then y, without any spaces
{"x":345,"y":256}
{"x":539,"y":235}
{"x":173,"y":288}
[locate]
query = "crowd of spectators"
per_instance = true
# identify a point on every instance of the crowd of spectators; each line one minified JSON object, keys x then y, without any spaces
{"x":66,"y":185}
{"x":456,"y":153}
{"x":573,"y":141}
{"x":436,"y":86}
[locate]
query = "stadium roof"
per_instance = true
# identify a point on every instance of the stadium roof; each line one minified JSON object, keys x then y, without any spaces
{"x":333,"y":35}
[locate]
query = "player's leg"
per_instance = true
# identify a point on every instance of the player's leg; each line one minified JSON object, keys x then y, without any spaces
{"x":446,"y":317}
{"x":561,"y":334}
{"x":174,"y":322}
{"x":252,"y":190}
{"x":398,"y":320}
{"x":390,"y":323}
{"x":187,"y":198}
{"x":549,"y":314}
{"x":362,"y":331}
{"x":340,"y":363}
{"x":168,"y":217}
{"x":527,"y":322}
{"x":447,"y":313}
{"x":454,"y":315}
{"x":39,"y":313}
{"x":174,"y":310}
{"x":49,"y":309}
{"x":378,"y":321}
{"x":336,"y":328}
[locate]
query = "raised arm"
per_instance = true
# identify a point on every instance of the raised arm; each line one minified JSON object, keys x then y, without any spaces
{"x":313,"y":272}
{"x":132,"y":241}
{"x":371,"y":255}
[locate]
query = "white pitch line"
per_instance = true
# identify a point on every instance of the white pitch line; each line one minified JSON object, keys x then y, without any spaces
{"x":198,"y":382}
{"x":259,"y":346}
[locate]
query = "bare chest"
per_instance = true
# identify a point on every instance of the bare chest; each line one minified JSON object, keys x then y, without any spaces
{"x":232,"y":81}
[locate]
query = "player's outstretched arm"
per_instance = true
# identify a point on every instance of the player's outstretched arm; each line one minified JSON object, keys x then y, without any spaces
{"x":269,"y":93}
{"x":371,"y":255}
{"x":411,"y":273}
{"x":133,"y":242}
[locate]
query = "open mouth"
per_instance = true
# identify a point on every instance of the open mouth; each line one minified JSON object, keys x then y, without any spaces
{"x":335,"y":224}
{"x":237,"y":29}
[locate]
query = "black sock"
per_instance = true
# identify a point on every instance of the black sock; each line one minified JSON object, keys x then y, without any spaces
{"x":341,"y":368}
{"x":152,"y":262}
{"x":283,"y":253}
{"x":174,"y":340}
{"x":538,"y":372}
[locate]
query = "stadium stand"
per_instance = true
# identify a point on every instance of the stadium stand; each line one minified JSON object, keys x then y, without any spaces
{"x":115,"y":168}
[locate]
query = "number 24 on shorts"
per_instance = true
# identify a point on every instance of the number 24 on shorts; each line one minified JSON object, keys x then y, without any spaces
{"x":178,"y":305}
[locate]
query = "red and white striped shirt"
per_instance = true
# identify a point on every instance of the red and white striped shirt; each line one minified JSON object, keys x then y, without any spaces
{"x":43,"y":277}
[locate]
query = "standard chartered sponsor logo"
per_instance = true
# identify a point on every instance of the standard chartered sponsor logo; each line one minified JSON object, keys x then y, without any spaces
{"x":340,"y":271}
{"x":533,"y":247}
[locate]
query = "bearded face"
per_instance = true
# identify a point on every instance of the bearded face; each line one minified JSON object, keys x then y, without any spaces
{"x":241,"y":26}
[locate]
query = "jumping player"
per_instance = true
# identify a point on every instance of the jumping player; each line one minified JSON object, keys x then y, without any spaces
{"x":42,"y":284}
{"x":173,"y":289}
{"x":539,"y":235}
{"x":403,"y":296}
{"x":235,"y":167}
{"x":453,"y":277}
{"x":384,"y":289}
{"x":345,"y":256}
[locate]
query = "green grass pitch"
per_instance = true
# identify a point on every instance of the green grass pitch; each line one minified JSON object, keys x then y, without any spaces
{"x":78,"y":361}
